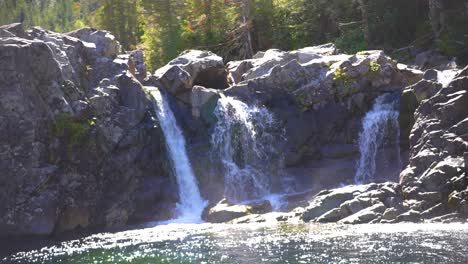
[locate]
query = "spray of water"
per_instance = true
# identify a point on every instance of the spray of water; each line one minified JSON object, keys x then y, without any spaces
{"x":191,"y":204}
{"x":378,"y":124}
{"x":245,"y":140}
{"x":446,"y":76}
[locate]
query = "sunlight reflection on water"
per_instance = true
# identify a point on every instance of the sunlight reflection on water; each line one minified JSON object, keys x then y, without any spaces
{"x":257,"y":243}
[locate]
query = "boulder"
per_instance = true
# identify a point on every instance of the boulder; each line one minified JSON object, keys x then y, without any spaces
{"x":14,"y":30}
{"x":411,"y":75}
{"x":448,"y":218}
{"x":333,"y":215}
{"x":435,"y":178}
{"x":137,"y":65}
{"x":204,"y":68}
{"x":365,"y":215}
{"x":357,"y":204}
{"x":437,"y":210}
{"x":105,"y":43}
{"x":174,"y":79}
{"x":203,"y":101}
{"x":425,"y":89}
{"x":326,"y":201}
{"x":410,"y":216}
{"x":224,"y":212}
{"x":391,"y":214}
{"x":433,"y":59}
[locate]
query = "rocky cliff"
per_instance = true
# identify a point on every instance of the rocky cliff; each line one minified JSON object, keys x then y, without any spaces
{"x":81,"y":147}
{"x":79,"y":144}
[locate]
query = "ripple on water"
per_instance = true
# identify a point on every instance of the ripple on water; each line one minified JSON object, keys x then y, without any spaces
{"x":260,"y":243}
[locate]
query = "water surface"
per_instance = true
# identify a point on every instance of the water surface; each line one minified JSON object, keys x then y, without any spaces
{"x":256,"y":243}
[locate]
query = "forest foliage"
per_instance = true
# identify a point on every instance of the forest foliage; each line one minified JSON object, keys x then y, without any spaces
{"x":236,"y":29}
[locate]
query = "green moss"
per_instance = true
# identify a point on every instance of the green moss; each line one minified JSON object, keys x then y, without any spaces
{"x":374,"y":66}
{"x":87,"y":71}
{"x":343,"y":79}
{"x":72,"y":131}
{"x":301,"y":100}
{"x":342,"y":76}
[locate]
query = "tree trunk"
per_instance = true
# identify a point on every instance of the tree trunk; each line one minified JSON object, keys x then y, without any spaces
{"x":246,"y":21}
{"x":436,"y":17}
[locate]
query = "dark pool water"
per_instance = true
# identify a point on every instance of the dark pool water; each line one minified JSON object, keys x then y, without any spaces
{"x":208,"y":243}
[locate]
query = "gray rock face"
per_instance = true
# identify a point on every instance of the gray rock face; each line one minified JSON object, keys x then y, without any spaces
{"x":366,"y":215}
{"x":137,"y":65}
{"x":438,"y":142}
{"x":319,"y":95}
{"x":326,"y":201}
{"x":433,"y":185}
{"x":351,"y":204}
{"x":104,"y":43}
{"x":78,"y":139}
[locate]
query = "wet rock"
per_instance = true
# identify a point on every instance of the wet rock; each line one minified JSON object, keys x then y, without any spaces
{"x":429,"y":196}
{"x":333,"y":215}
{"x":260,"y":207}
{"x":408,"y":105}
{"x":410,"y":216}
{"x":391,"y":214}
{"x":357,"y":204}
{"x":431,"y":75}
{"x":365,"y":215}
{"x":224,"y":212}
{"x":458,"y":200}
{"x":325,"y":202}
{"x":437,"y":210}
{"x":116,"y":217}
{"x":448,"y":218}
{"x":203,"y":102}
{"x":253,"y":218}
{"x":73,"y":218}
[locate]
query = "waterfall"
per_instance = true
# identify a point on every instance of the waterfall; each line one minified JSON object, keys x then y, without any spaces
{"x":246,"y":140}
{"x":377,"y":125}
{"x":191,"y":204}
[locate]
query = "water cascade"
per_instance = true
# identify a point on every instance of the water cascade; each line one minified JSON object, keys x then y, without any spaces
{"x":191,"y":204}
{"x":246,"y":139}
{"x":379,"y":124}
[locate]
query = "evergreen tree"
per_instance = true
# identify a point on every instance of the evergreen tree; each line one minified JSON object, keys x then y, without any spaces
{"x":120,"y":18}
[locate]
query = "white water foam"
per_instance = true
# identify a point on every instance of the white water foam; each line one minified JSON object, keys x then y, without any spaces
{"x":245,"y":139}
{"x":376,"y":125}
